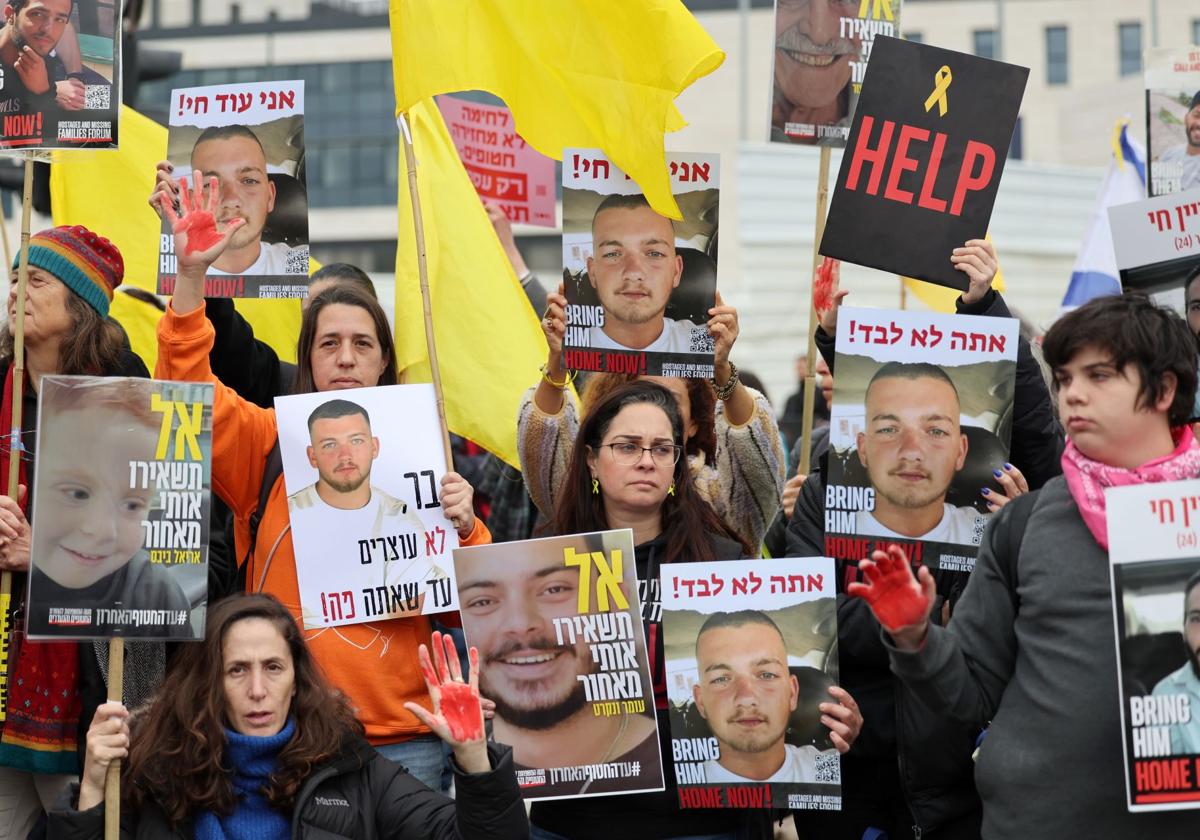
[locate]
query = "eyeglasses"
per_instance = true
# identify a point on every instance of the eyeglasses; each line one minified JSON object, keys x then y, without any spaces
{"x":627,"y":454}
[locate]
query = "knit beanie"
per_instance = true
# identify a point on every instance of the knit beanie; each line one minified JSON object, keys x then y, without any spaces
{"x":87,"y":263}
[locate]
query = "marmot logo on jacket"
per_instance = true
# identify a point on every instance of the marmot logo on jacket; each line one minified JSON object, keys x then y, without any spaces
{"x":324,"y":800}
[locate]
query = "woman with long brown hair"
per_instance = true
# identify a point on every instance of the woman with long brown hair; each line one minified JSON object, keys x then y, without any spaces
{"x":626,"y":471}
{"x":345,"y":342}
{"x":251,"y":741}
{"x":53,"y":687}
{"x":732,"y":442}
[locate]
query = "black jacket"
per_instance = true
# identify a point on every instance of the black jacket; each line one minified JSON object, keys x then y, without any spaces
{"x":358,"y":796}
{"x":248,"y":366}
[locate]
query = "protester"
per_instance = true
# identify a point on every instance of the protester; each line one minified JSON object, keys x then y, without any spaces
{"x":253,"y":742}
{"x":55,"y":686}
{"x":742,"y":477}
{"x":345,"y":342}
{"x":909,"y":769}
{"x":1030,"y":650}
{"x":791,"y":422}
{"x":625,"y":471}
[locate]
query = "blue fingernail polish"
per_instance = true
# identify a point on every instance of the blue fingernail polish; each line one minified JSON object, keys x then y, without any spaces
{"x":996,"y":473}
{"x":985,"y":491}
{"x":1008,"y":466}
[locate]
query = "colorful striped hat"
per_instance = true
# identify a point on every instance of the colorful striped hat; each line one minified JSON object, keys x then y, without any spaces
{"x":89,"y":264}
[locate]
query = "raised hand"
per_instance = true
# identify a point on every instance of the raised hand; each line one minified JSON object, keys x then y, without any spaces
{"x":554,"y":323}
{"x":899,"y":601}
{"x":723,"y":325}
{"x":457,"y":716}
{"x":828,"y":294}
{"x":976,"y":259}
{"x":198,"y":243}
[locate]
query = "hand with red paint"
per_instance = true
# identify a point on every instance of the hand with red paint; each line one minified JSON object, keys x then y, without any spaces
{"x":977,"y":259}
{"x":900,"y":602}
{"x":198,"y":243}
{"x":828,"y":294}
{"x":457,"y":716}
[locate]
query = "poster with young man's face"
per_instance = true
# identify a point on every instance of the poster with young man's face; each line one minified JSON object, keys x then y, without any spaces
{"x":750,"y":654}
{"x":363,"y":471}
{"x":821,"y":52}
{"x":639,"y":285}
{"x":122,"y":494}
{"x":250,"y":138}
{"x":921,"y":419}
{"x":1173,"y":120}
{"x":562,"y":654}
{"x":1154,"y":549}
{"x":60,"y":65}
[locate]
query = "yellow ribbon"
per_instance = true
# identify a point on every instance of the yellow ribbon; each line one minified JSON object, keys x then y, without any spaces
{"x":941,"y":81}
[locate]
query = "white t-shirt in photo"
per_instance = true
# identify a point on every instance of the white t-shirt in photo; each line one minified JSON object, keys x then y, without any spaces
{"x":676,"y":337}
{"x":799,"y":766}
{"x":959,"y":526}
{"x":273,"y":258}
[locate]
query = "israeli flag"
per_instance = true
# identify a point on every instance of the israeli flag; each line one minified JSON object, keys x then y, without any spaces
{"x":1095,"y":273}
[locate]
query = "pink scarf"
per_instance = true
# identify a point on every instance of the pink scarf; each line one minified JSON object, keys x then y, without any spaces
{"x":1088,"y":479}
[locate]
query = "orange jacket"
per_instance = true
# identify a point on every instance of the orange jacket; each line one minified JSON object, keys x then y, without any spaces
{"x":374,"y":664}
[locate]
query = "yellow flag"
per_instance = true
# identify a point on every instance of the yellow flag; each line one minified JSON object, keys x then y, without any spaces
{"x":575,"y":73}
{"x":106,"y":192}
{"x":489,"y":343}
{"x":941,"y":299}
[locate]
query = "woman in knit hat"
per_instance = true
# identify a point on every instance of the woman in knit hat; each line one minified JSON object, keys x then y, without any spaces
{"x":52,"y":688}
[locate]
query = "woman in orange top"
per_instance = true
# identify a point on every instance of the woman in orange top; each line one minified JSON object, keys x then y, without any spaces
{"x":345,"y":342}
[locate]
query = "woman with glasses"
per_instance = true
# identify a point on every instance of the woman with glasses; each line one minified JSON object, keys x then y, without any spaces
{"x":626,"y":472}
{"x":732,"y":442}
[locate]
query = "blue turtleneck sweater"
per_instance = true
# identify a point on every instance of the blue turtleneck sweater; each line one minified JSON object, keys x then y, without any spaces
{"x":252,"y":760}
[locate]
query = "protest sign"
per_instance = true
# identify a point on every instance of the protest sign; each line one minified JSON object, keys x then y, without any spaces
{"x":370,"y":538}
{"x":923,"y":162}
{"x":750,"y":649}
{"x":1157,"y":245}
{"x":250,"y":137}
{"x":122,"y":494}
{"x":563,"y":655}
{"x":503,"y":168}
{"x":922,"y":414}
{"x":638,"y":285}
{"x":1154,"y":554}
{"x":65,"y":93}
{"x":819,"y":66}
{"x":1173,"y":119}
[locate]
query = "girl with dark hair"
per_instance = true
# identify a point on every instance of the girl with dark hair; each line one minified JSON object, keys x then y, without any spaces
{"x":345,"y":342}
{"x":53,"y":687}
{"x":734,"y":451}
{"x":626,"y":471}
{"x":251,"y":741}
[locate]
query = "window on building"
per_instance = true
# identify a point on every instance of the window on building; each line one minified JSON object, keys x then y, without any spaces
{"x":1196,"y":30}
{"x":984,"y":42}
{"x":915,"y":37}
{"x":1056,"y":55}
{"x":1015,"y":149}
{"x":1129,"y":39}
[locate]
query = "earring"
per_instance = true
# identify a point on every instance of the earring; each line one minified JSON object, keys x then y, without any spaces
{"x":671,"y":489}
{"x":596,"y":487}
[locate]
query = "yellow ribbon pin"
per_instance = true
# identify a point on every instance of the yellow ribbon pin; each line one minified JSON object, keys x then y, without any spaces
{"x":941,"y":81}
